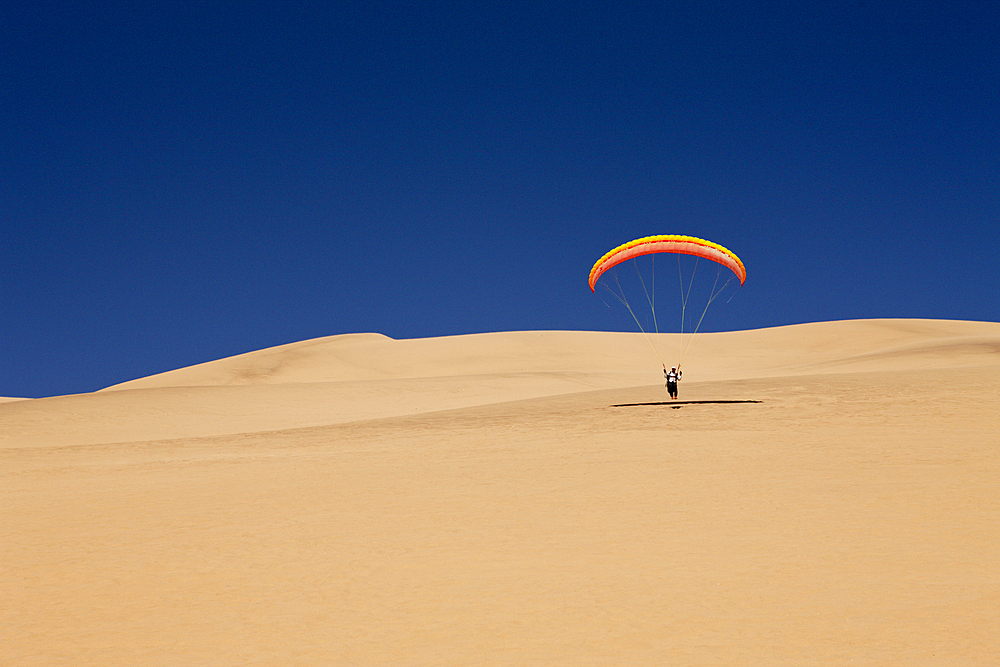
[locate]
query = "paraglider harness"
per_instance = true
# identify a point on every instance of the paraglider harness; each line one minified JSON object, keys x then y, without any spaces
{"x":672,"y":377}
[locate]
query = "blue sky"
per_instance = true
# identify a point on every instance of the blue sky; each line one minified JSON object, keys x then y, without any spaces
{"x":183,"y":182}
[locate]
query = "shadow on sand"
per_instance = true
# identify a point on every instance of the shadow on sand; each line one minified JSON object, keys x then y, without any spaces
{"x":677,"y":404}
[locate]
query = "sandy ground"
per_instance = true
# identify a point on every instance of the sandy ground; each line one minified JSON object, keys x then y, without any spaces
{"x":481,"y":500}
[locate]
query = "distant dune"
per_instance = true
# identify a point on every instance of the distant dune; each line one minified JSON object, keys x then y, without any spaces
{"x":782,"y":350}
{"x":823,"y":493}
{"x":369,"y":376}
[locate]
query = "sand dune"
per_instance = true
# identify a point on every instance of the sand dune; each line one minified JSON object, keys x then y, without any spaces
{"x":781,"y":350}
{"x":480,"y":500}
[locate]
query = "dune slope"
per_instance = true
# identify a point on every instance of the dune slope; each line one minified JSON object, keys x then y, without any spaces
{"x":480,"y":500}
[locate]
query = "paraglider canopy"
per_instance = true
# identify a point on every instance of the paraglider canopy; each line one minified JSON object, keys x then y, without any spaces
{"x":678,"y":245}
{"x":686,"y":245}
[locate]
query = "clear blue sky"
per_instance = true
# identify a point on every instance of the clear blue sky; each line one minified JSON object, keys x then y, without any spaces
{"x":185,"y":181}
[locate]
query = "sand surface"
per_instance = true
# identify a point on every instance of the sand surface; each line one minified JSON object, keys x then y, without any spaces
{"x":479,"y":499}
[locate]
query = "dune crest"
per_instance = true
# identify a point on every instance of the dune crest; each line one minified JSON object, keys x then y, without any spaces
{"x":728,"y":355}
{"x":356,"y":377}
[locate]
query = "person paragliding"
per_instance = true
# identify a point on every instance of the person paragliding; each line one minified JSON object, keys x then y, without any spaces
{"x":679,"y":245}
{"x":673,"y":376}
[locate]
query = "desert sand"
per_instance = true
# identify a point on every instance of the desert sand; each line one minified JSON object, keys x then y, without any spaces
{"x":518,"y":498}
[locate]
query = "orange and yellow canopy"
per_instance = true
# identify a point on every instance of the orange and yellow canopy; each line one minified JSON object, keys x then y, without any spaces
{"x":686,"y":245}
